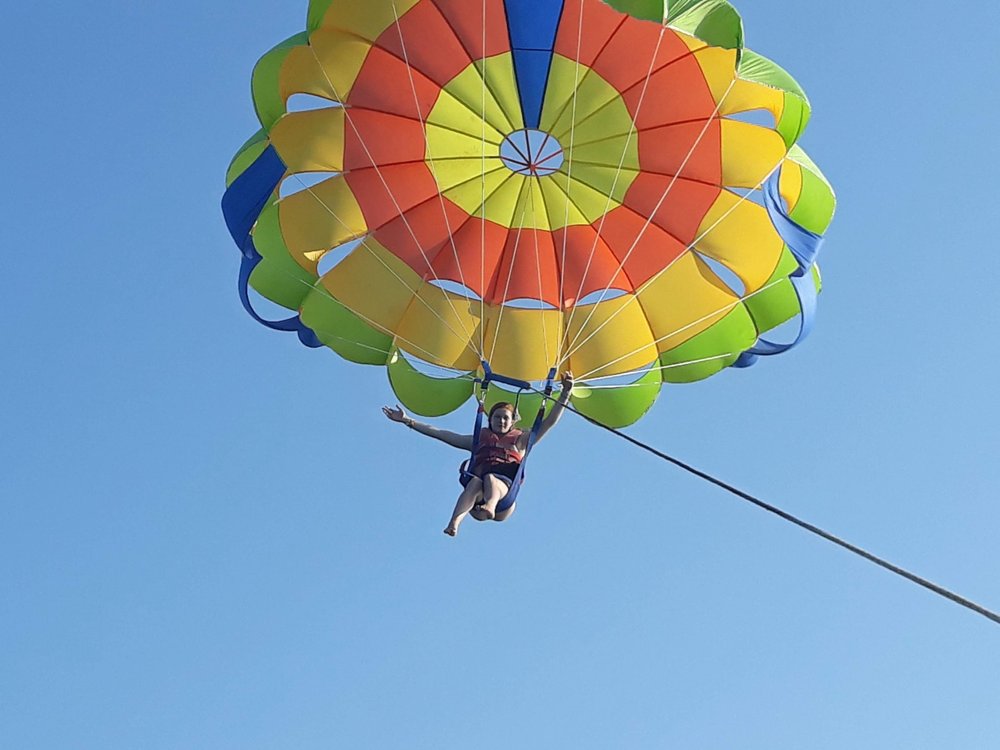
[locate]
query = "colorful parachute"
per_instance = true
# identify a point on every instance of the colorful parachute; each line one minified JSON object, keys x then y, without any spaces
{"x":608,"y":187}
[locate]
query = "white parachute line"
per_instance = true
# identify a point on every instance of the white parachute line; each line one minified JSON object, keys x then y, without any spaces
{"x":430,"y":156}
{"x":323,"y":292}
{"x":385,"y":184}
{"x":725,"y":309}
{"x":510,"y":274}
{"x":538,"y":269}
{"x":642,"y":371}
{"x":611,"y":192}
{"x":482,"y":234}
{"x":569,"y":171}
{"x":659,"y":204}
{"x":411,"y":290}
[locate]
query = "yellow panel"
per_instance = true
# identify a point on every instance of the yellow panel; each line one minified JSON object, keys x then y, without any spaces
{"x":440,"y":327}
{"x":526,"y":341}
{"x":374,"y":284}
{"x":311,"y":141}
{"x":683,"y":301}
{"x":586,"y":205}
{"x":749,"y":153}
{"x":466,"y":183}
{"x":739,"y":234}
{"x":327,"y":67}
{"x":561,"y":108}
{"x":446,"y":143}
{"x":314,"y":220}
{"x":790,"y":183}
{"x":746,"y":96}
{"x":603,"y":178}
{"x":693,"y":43}
{"x":468,"y":88}
{"x":499,"y":73}
{"x":502,"y":200}
{"x":719,"y":67}
{"x":366,"y":19}
{"x":450,"y":113}
{"x":623,"y":341}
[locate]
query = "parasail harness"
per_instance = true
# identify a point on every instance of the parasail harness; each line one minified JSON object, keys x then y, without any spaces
{"x":489,"y":377}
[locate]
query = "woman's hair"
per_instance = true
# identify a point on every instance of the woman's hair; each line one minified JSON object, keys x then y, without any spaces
{"x":505,"y":405}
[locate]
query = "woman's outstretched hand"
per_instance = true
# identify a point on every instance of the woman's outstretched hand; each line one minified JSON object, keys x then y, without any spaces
{"x":566,"y":381}
{"x":396,"y":415}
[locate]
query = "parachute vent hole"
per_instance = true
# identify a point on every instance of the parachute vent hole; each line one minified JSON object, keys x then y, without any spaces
{"x":309,"y":103}
{"x":456,"y":288}
{"x":334,"y":256}
{"x":726,"y":275}
{"x":761,"y":117}
{"x":601,"y":295}
{"x":296,"y":183}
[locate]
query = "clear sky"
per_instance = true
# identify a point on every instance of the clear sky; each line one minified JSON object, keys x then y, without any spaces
{"x":211,"y":538}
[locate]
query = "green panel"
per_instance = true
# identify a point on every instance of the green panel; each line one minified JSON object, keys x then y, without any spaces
{"x":278,"y":277}
{"x":817,"y":203}
{"x":247,"y":155}
{"x":757,"y":68}
{"x":777,"y":304}
{"x":618,"y":407}
{"x":317,"y":10}
{"x":266,"y":92}
{"x":711,"y":350}
{"x":649,"y":10}
{"x":424,"y":395}
{"x":343,"y":331}
{"x":715,"y":22}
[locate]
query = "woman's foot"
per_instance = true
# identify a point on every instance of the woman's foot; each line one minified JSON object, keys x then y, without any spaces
{"x":451,"y":531}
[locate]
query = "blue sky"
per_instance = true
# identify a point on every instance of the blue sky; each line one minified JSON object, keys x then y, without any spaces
{"x":211,"y":538}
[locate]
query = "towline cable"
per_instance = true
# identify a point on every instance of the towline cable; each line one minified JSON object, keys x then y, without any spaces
{"x":813,"y":529}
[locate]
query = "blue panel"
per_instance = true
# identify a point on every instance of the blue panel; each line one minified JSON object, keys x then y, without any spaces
{"x":242,"y":204}
{"x":804,"y":245}
{"x":532,"y":25}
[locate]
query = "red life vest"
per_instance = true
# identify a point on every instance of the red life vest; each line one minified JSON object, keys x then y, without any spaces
{"x":498,"y":449}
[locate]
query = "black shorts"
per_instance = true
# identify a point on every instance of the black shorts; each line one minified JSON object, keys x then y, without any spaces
{"x":504,"y":472}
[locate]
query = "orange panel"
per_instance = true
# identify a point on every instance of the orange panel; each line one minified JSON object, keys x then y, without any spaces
{"x":440,"y":60}
{"x":528,"y":253}
{"x":590,"y":264}
{"x":683,"y":209}
{"x":417,"y":236}
{"x":384,"y":84}
{"x":666,"y":148}
{"x":389,"y":139}
{"x":676,"y":93}
{"x":466,"y":18}
{"x":625,"y":62}
{"x":600,"y":21}
{"x":384,"y":194}
{"x":480,"y":247}
{"x":643,"y":250}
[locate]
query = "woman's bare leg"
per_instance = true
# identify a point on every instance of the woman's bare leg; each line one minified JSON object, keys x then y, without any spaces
{"x":494,"y":491}
{"x":472,"y":492}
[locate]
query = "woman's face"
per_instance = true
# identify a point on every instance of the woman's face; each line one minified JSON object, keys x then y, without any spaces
{"x":501,"y":421}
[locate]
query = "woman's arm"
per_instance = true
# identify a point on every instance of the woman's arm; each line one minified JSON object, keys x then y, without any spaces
{"x":462,"y":442}
{"x":550,"y":421}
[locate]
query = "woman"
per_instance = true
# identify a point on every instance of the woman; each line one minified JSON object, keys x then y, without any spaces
{"x":501,"y":450}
